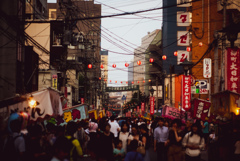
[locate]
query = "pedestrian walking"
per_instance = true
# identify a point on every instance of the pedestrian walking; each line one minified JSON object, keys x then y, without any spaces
{"x":123,"y":135}
{"x":193,"y":142}
{"x":161,"y":140}
{"x":146,"y":141}
{"x":175,"y":142}
{"x":118,"y":151}
{"x":115,"y":128}
{"x":134,"y":135}
{"x":133,"y":155}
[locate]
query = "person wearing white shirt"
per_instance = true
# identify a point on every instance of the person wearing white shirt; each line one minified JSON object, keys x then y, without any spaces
{"x":115,"y":128}
{"x":193,"y":142}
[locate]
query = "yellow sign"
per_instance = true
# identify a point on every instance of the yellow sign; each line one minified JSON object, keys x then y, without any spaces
{"x":54,"y":81}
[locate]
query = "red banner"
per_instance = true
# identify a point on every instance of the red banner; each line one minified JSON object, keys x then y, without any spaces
{"x":82,"y":100}
{"x":232,"y":71}
{"x":151,"y":105}
{"x":186,"y":92}
{"x":201,"y":108}
{"x":143,"y":106}
{"x":137,"y":108}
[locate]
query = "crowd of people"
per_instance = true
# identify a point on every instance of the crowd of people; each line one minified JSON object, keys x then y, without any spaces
{"x":121,"y":139}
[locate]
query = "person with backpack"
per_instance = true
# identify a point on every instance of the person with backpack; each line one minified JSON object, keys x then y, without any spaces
{"x":76,"y":151}
{"x":193,"y":142}
{"x":14,"y":146}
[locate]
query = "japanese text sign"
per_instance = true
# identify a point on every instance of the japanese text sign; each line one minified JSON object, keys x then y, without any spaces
{"x":151,"y":105}
{"x":184,"y":3}
{"x":183,"y":38}
{"x":232,"y":71}
{"x":201,"y":108}
{"x":207,"y":68}
{"x":183,"y":18}
{"x":186,"y":92}
{"x":142,"y":106}
{"x":182,"y":55}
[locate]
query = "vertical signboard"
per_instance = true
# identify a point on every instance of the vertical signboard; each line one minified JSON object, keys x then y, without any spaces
{"x":232,"y":71}
{"x":207,"y":67}
{"x":182,"y":55}
{"x":54,"y":81}
{"x":184,"y":3}
{"x":183,"y":18}
{"x":186,"y":92}
{"x":137,"y":109}
{"x":151,"y":105}
{"x":82,"y":100}
{"x":183,"y":38}
{"x":142,"y":106}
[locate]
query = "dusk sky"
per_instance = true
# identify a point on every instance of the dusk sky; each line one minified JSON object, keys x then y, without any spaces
{"x":126,"y":31}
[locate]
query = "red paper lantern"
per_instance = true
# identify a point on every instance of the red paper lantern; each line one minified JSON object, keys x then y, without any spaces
{"x":200,"y":44}
{"x":105,"y":80}
{"x":175,"y":53}
{"x":101,"y":66}
{"x":126,"y":82}
{"x":188,"y":49}
{"x":137,"y":81}
{"x":164,"y":57}
{"x":89,"y":66}
{"x":126,"y":64}
{"x":151,"y":60}
{"x":114,"y":65}
{"x":143,"y":81}
{"x":110,"y":81}
{"x":149,"y":80}
{"x":100,"y":78}
{"x":139,"y":62}
{"x":121,"y":81}
{"x":115,"y":81}
{"x":132,"y":82}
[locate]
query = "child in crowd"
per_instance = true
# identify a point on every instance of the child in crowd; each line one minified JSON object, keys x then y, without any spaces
{"x":118,"y":151}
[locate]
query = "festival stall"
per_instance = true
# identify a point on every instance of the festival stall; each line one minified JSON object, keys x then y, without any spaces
{"x":96,"y":113}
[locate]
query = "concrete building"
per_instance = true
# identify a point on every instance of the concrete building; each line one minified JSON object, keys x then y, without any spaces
{"x":17,"y":63}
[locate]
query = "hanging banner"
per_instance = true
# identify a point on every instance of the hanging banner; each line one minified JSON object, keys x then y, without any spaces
{"x":142,"y":106}
{"x":183,"y":18}
{"x":138,"y":109}
{"x":232,"y":71}
{"x":54,"y":81}
{"x":183,"y":38}
{"x":151,"y":105}
{"x":49,"y":104}
{"x":201,"y":108}
{"x":174,"y":113}
{"x":182,"y":55}
{"x":207,"y":67}
{"x":186,"y":92}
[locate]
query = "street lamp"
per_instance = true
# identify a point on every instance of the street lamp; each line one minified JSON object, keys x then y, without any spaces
{"x":151,"y":91}
{"x":186,"y":66}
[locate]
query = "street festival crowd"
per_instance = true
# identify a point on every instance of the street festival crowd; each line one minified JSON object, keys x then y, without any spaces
{"x":120,"y":139}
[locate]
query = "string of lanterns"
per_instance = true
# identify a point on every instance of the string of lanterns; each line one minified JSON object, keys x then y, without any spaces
{"x":133,"y":82}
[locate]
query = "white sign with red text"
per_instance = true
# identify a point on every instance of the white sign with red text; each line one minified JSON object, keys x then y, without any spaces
{"x":183,"y":18}
{"x":207,"y":67}
{"x":151,"y":105}
{"x":183,"y":38}
{"x":186,"y":92}
{"x":182,"y":55}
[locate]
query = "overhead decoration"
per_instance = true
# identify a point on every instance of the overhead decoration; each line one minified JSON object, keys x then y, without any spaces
{"x":101,"y":66}
{"x":126,"y":64}
{"x":89,"y":66}
{"x":175,"y":53}
{"x":164,"y":57}
{"x":139,"y":62}
{"x":151,"y":60}
{"x":114,"y":65}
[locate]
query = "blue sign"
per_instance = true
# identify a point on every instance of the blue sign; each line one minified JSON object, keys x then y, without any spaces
{"x":123,"y":97}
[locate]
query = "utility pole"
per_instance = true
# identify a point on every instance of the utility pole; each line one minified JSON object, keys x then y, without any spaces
{"x":216,"y":76}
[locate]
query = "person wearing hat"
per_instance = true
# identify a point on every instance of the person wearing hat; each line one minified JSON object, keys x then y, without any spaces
{"x":193,"y":142}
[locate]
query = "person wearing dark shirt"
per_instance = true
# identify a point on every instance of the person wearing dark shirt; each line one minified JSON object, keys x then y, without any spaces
{"x":145,"y":139}
{"x":175,"y":140}
{"x":133,"y":155}
{"x":106,"y":144}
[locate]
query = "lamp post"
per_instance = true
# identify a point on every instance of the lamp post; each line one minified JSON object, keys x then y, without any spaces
{"x":186,"y":66}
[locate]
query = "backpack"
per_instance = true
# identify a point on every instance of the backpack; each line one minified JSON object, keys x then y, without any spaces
{"x":10,"y":153}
